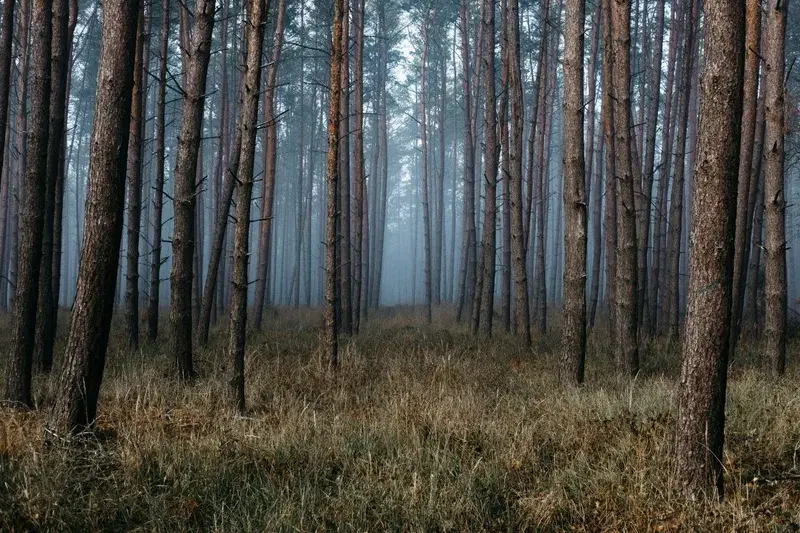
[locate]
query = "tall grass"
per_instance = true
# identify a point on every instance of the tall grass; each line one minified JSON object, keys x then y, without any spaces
{"x":424,"y":428}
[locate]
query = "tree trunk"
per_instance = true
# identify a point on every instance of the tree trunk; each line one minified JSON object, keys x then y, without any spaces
{"x":518,"y":245}
{"x":79,"y":384}
{"x":505,"y":170}
{"x":359,"y":179}
{"x":335,"y":100}
{"x":18,"y":372}
{"x":774,"y":187}
{"x":626,"y":327}
{"x":135,"y":142}
{"x":268,"y":182}
{"x":489,"y":237}
{"x":423,"y":130}
{"x":158,"y":187}
{"x":47,"y":303}
{"x":184,"y":196}
{"x":246,"y":137}
{"x":701,"y":407}
{"x":574,"y":349}
{"x":6,"y":40}
{"x":749,"y":107}
{"x":610,"y":169}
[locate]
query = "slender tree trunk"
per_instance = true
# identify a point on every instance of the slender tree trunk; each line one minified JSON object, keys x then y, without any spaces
{"x":335,"y":100}
{"x":246,"y":137}
{"x":423,"y":128}
{"x":610,"y":169}
{"x":78,"y":386}
{"x":6,"y":40}
{"x":270,"y":160}
{"x":20,"y":361}
{"x":505,"y":169}
{"x":489,"y":237}
{"x":701,"y":407}
{"x":184,"y":196}
{"x":750,"y":105}
{"x":574,"y":349}
{"x":774,"y":187}
{"x":158,"y":188}
{"x":359,"y":179}
{"x":135,"y":141}
{"x":518,"y":245}
{"x":626,"y":334}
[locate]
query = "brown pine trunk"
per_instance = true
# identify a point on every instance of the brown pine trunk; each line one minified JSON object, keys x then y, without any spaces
{"x":359,"y":180}
{"x":270,"y":160}
{"x":158,"y":188}
{"x":246,"y":136}
{"x":20,"y":360}
{"x":47,"y":303}
{"x":184,"y":196}
{"x":676,"y":201}
{"x":345,"y":270}
{"x":79,"y":384}
{"x":135,"y":140}
{"x":466,"y":284}
{"x":626,"y":327}
{"x":610,"y":169}
{"x":701,"y":407}
{"x":574,"y":349}
{"x":489,"y":238}
{"x":658,"y":296}
{"x":505,"y":170}
{"x":335,"y":100}
{"x":518,"y":245}
{"x":774,"y":187}
{"x":749,"y":107}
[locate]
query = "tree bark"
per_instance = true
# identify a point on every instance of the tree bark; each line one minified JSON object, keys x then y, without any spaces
{"x":20,"y":361}
{"x":359,"y":179}
{"x":270,"y":160}
{"x":774,"y":187}
{"x":246,"y":136}
{"x":79,"y":384}
{"x":626,"y":327}
{"x":185,"y":193}
{"x":423,"y":130}
{"x":701,"y":408}
{"x":574,"y":349}
{"x":6,"y":40}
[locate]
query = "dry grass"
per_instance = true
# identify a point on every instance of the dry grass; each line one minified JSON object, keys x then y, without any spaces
{"x":423,"y":429}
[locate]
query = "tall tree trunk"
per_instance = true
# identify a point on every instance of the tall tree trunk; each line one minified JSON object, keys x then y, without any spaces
{"x":610,"y":168}
{"x":505,"y":170}
{"x":626,"y":327}
{"x":158,"y":187}
{"x":676,"y":202}
{"x":20,"y":361}
{"x":335,"y":100}
{"x":135,"y":141}
{"x":423,"y":130}
{"x":6,"y":40}
{"x":774,"y":187}
{"x":489,"y":237}
{"x":574,"y":349}
{"x":47,"y":303}
{"x":270,"y":160}
{"x":246,"y":137}
{"x":701,"y":407}
{"x":184,"y":196}
{"x":78,"y":386}
{"x":749,"y":107}
{"x":518,"y":245}
{"x":359,"y":180}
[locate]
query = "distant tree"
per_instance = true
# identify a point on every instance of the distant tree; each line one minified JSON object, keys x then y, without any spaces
{"x":78,"y":386}
{"x":248,"y":117}
{"x":423,"y":133}
{"x":20,"y":361}
{"x":701,"y":406}
{"x":185,"y":176}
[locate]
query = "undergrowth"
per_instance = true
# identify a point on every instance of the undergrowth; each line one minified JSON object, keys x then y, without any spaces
{"x":423,"y":428}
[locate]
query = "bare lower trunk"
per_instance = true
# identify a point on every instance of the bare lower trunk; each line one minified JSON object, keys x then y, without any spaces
{"x":78,"y":386}
{"x":701,"y":407}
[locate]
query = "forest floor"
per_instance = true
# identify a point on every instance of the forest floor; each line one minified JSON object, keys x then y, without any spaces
{"x":424,"y":428}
